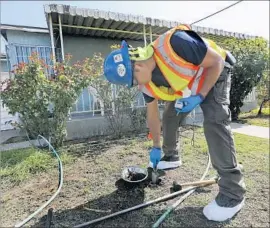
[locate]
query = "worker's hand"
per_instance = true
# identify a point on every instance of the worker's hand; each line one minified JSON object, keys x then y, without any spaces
{"x":155,"y":156}
{"x":188,"y":104}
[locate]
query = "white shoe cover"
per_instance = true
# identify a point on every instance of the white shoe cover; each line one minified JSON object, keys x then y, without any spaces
{"x":166,"y":165}
{"x":219,"y":214}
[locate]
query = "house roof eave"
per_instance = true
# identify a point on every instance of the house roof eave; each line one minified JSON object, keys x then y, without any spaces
{"x":99,"y":23}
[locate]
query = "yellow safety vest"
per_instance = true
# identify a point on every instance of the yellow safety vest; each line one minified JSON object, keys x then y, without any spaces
{"x":180,"y":74}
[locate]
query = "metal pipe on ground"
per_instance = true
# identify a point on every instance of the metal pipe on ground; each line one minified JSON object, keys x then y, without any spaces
{"x":160,"y":199}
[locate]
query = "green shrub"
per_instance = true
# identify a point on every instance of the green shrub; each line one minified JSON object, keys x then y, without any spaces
{"x":43,"y":101}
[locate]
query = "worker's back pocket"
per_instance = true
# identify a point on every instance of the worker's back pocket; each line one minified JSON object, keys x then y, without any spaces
{"x":222,"y":87}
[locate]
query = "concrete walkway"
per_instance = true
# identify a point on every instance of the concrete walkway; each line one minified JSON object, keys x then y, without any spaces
{"x":18,"y":145}
{"x":261,"y":132}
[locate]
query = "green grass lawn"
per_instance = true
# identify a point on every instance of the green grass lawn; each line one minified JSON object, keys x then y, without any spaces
{"x":252,"y":118}
{"x":20,"y":164}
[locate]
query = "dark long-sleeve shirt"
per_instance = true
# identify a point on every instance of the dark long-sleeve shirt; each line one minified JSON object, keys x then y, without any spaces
{"x":187,"y":45}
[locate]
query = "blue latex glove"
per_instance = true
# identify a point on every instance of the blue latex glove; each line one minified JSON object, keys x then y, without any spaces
{"x":155,"y":156}
{"x":188,"y":104}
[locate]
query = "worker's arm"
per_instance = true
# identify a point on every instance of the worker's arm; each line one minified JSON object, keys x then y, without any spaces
{"x":214,"y":64}
{"x":153,"y":122}
{"x":154,"y":126}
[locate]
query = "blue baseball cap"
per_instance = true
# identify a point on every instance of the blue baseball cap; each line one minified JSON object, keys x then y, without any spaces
{"x":118,"y":66}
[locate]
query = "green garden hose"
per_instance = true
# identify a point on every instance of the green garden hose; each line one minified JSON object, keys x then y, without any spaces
{"x":172,"y":207}
{"x":60,"y":183}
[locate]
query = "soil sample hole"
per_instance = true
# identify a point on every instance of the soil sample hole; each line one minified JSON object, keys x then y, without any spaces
{"x":157,"y":184}
{"x":159,"y":181}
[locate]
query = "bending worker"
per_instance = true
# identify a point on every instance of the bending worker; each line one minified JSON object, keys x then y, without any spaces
{"x":185,"y":70}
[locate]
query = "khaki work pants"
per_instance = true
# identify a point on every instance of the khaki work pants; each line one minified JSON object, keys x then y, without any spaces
{"x":218,"y":135}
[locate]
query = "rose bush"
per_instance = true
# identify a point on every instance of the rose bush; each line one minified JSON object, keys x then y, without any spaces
{"x":43,"y":101}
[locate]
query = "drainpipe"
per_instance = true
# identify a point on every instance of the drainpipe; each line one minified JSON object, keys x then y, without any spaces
{"x":52,"y":38}
{"x":144,"y":36}
{"x":61,"y":37}
{"x":150,"y":32}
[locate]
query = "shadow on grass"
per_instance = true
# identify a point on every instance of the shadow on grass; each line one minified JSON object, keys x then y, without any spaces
{"x":124,"y":197}
{"x":263,"y":116}
{"x":246,"y":117}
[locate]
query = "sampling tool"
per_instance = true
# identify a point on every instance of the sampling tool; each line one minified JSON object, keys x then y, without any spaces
{"x":154,"y":175}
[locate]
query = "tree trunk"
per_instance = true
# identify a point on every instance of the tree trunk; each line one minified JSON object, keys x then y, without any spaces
{"x":261,"y":106}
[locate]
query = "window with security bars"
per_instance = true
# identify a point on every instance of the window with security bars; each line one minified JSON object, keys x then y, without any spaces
{"x":17,"y":53}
